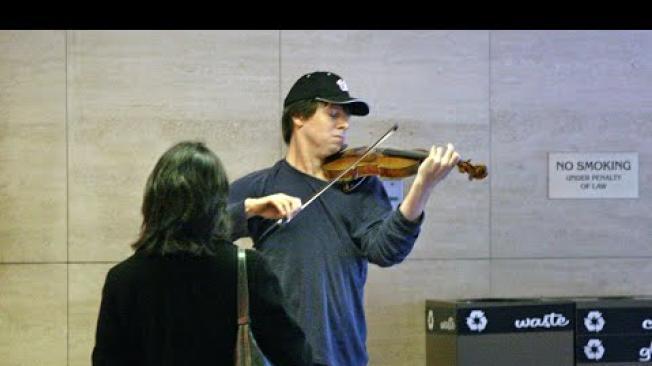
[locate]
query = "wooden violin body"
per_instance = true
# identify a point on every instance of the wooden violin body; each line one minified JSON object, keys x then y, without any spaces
{"x":388,"y":163}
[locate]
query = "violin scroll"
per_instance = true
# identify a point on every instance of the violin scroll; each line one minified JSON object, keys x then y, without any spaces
{"x":478,"y":171}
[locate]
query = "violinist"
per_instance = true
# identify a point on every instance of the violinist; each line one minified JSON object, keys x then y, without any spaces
{"x":321,"y":255}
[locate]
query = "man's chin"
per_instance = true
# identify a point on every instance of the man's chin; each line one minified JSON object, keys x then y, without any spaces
{"x":334,"y":149}
{"x":338,"y":147}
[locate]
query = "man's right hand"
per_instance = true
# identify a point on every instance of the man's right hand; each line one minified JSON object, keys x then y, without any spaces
{"x":275,"y":206}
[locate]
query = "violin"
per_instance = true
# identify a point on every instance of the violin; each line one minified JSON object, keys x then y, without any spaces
{"x":349,"y":168}
{"x":387,"y":163}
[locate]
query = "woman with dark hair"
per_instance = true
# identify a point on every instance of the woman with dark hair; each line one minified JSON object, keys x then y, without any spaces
{"x":174,"y":301}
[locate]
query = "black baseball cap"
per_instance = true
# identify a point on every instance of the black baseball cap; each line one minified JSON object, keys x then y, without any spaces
{"x":326,"y":87}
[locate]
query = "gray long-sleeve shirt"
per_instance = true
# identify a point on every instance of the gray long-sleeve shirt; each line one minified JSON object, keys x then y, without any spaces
{"x":321,"y":256}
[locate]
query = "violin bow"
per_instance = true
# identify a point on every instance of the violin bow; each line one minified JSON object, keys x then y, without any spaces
{"x":282,"y":221}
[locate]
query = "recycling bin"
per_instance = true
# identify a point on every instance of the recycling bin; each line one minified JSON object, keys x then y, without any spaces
{"x":613,"y":331}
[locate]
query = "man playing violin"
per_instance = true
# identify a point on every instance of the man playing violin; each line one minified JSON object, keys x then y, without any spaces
{"x":321,"y":255}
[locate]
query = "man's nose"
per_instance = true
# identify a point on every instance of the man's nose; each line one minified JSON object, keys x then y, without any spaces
{"x":343,"y":123}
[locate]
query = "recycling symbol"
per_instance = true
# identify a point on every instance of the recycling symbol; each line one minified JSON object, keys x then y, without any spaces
{"x":476,"y":321}
{"x":594,"y":322}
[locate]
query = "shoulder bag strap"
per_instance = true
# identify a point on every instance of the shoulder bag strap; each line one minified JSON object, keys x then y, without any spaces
{"x":243,"y":290}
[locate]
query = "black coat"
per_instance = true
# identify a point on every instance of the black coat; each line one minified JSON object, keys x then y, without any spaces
{"x":182,"y":310}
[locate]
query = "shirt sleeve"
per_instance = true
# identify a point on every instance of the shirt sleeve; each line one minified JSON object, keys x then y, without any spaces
{"x":238,"y":220}
{"x":239,"y":191}
{"x":384,"y":236}
{"x":251,"y":185}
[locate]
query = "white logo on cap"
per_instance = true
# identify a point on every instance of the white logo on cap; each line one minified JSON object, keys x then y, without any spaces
{"x":342,"y":85}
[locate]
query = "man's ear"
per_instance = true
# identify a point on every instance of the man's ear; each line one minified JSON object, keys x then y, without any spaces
{"x":297,"y":122}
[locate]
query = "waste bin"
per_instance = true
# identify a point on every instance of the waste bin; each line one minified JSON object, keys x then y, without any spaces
{"x":499,"y":332}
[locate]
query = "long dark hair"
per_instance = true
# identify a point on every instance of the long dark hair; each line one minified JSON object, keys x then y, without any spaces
{"x":184,"y":208}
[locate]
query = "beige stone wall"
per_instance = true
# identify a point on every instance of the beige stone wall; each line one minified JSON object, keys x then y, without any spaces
{"x":85,"y":114}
